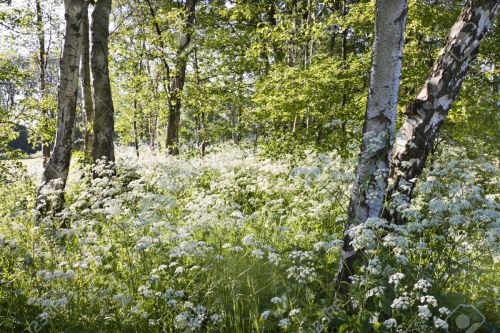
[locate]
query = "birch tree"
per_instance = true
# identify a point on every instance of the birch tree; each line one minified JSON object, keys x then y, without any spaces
{"x":56,"y":171}
{"x":374,"y":159}
{"x":103,"y":102}
{"x":426,"y":114}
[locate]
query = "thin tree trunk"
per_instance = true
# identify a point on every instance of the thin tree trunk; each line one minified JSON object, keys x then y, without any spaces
{"x":103,"y":102}
{"x":177,"y":85}
{"x":136,"y":140}
{"x":199,"y":118}
{"x":88,"y":106}
{"x":375,"y":156}
{"x":425,"y":115}
{"x":58,"y":164}
{"x":42,"y":59}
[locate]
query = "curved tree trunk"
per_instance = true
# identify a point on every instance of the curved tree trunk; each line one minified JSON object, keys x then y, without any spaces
{"x":56,"y":171}
{"x":374,"y":159}
{"x":425,"y":115}
{"x":177,"y":85}
{"x":88,"y":106}
{"x":103,"y":102}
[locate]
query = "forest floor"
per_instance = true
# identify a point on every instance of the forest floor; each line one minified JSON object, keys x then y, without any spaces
{"x":238,"y":242}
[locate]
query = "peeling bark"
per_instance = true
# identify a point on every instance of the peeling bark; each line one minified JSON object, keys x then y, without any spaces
{"x":103,"y":102}
{"x":425,"y":115}
{"x":56,"y":171}
{"x":375,"y":156}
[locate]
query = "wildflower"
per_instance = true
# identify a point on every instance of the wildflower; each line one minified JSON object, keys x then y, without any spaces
{"x":377,"y":291}
{"x":390,"y":323}
{"x":258,"y":253}
{"x":181,"y":320}
{"x":302,"y":274}
{"x":284,"y":323}
{"x":265,"y":314}
{"x":194,"y":323}
{"x":248,"y":239}
{"x":216,"y":318}
{"x":440,"y":323}
{"x":423,"y":285}
{"x":396,"y":278}
{"x":374,"y":266}
{"x":424,"y":312}
{"x":293,"y":312}
{"x":144,"y":243}
{"x":61,"y":301}
{"x":70,"y":274}
{"x":444,"y":311}
{"x":145,"y":291}
{"x":276,"y":300}
{"x":431,"y":300}
{"x":200,"y":309}
{"x":274,"y":258}
{"x":401,"y":303}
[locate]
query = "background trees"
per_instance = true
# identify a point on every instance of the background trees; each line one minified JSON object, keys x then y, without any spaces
{"x":268,"y":71}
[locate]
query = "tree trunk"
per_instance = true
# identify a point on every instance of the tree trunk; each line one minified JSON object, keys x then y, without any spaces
{"x":58,"y":164}
{"x":103,"y":102}
{"x":88,"y":106}
{"x":134,"y":123}
{"x":375,"y":156}
{"x":177,"y":85}
{"x":425,"y":115}
{"x":42,"y":59}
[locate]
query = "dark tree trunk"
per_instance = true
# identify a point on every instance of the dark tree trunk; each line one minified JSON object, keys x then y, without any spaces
{"x":374,"y":159}
{"x":177,"y":85}
{"x":88,"y":106}
{"x":425,"y":115}
{"x":42,"y":60}
{"x":136,"y":139}
{"x":103,"y":102}
{"x":56,"y":172}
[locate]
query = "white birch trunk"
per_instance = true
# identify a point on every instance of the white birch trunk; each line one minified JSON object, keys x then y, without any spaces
{"x":425,"y":115}
{"x":374,"y":159}
{"x":56,"y":171}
